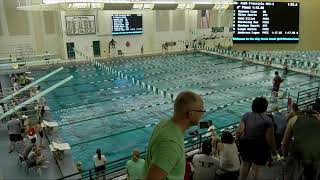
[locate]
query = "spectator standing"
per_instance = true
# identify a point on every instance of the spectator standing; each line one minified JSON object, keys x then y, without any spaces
{"x":135,"y":167}
{"x":256,"y":139}
{"x":165,"y":158}
{"x":99,"y":164}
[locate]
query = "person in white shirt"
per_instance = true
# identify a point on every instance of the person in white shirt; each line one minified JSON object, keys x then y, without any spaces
{"x":204,"y":163}
{"x":15,"y":85}
{"x":211,"y":129}
{"x":99,"y":164}
{"x":1,"y":109}
{"x":227,"y":158}
{"x":33,"y":91}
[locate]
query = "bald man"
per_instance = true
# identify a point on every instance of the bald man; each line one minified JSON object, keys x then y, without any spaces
{"x":165,"y":158}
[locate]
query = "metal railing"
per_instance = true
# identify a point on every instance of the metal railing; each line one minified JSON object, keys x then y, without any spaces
{"x":307,"y":97}
{"x":117,"y":168}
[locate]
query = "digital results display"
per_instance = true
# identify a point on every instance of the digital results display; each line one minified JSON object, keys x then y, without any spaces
{"x":265,"y":22}
{"x":126,"y":24}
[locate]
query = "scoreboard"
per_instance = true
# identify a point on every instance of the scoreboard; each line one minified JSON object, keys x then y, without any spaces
{"x":126,"y":24}
{"x":265,"y":22}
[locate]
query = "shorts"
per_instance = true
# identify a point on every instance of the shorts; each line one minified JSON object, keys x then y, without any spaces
{"x":41,"y":134}
{"x":15,"y":137}
{"x":100,"y":169}
{"x":254,"y":151}
{"x":275,"y":89}
{"x":42,"y":111}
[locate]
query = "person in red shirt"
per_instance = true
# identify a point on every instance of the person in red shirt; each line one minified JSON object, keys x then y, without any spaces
{"x":188,"y":171}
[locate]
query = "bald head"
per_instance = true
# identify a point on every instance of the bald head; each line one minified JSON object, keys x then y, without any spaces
{"x":187,"y":101}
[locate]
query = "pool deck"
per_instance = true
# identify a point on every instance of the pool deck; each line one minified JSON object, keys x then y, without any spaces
{"x":12,"y":170}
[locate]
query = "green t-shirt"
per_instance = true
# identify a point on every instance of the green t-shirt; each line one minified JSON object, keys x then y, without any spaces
{"x":135,"y":169}
{"x":166,"y":150}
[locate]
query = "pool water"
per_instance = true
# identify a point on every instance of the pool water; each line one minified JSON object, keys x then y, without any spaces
{"x":98,"y":109}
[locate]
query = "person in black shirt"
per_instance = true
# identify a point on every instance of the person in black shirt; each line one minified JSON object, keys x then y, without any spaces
{"x":277,"y":80}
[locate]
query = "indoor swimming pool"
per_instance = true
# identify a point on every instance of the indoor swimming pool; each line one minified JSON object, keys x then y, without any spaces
{"x":99,"y":109}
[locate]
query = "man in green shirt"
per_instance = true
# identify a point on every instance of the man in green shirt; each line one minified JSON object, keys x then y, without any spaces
{"x":135,"y":167}
{"x":165,"y":158}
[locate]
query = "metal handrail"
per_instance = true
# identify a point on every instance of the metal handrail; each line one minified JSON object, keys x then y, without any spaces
{"x":30,"y":85}
{"x":91,"y":170}
{"x":188,"y":144}
{"x":306,"y":92}
{"x":16,"y":108}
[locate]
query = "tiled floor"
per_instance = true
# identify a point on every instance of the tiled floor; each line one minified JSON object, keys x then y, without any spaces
{"x":9,"y":168}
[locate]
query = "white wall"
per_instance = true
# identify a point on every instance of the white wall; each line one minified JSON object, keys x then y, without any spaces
{"x":55,"y":42}
{"x":150,"y":39}
{"x":37,"y":39}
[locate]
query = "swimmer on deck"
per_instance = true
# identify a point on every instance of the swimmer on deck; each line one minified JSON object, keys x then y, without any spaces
{"x":277,"y":80}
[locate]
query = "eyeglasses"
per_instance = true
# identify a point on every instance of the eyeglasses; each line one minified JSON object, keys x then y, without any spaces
{"x":203,"y":111}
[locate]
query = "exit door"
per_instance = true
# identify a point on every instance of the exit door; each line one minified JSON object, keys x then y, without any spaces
{"x":96,"y":48}
{"x":70,"y":50}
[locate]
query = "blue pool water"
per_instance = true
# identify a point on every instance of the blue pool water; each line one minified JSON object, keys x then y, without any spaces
{"x":92,"y":108}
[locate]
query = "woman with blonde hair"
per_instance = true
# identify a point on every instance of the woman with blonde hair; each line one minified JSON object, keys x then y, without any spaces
{"x":135,"y":167}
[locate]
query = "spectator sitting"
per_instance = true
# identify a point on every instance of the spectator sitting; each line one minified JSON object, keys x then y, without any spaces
{"x":135,"y":167}
{"x":22,"y":80}
{"x":256,"y":138}
{"x":35,"y":158}
{"x":12,"y":77}
{"x":33,"y":91}
{"x":227,"y":159}
{"x":31,"y":130}
{"x":29,"y":147}
{"x":99,"y":164}
{"x":204,"y":163}
{"x":1,"y":108}
{"x":280,"y":122}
